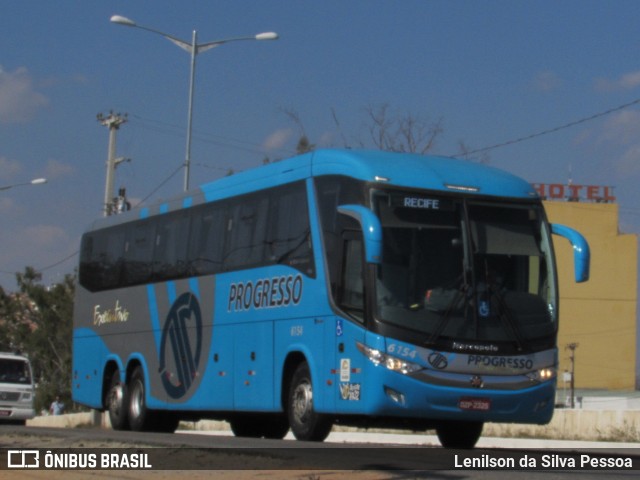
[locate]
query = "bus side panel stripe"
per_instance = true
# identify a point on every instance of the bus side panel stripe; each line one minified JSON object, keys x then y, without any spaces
{"x":153,"y":314}
{"x":171,"y":291}
{"x":194,"y":286}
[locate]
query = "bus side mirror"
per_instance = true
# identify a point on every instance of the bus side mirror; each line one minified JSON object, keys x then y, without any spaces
{"x":371,"y":230}
{"x":581,"y":252}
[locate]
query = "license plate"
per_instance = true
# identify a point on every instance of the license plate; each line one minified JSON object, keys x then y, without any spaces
{"x":475,"y":404}
{"x":5,"y":413}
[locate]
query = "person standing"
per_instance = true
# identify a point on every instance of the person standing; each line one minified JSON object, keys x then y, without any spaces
{"x":57,"y":407}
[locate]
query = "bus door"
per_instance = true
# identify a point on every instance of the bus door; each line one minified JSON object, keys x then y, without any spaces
{"x":349,"y":330}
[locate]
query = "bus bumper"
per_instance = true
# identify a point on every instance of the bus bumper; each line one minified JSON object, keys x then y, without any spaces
{"x":401,"y":395}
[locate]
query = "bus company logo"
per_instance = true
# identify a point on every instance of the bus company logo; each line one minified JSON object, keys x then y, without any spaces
{"x":476,"y":381}
{"x":274,"y":292}
{"x":181,"y":345}
{"x":438,"y":360}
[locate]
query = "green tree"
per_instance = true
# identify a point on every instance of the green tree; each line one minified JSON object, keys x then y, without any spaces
{"x":37,"y":320}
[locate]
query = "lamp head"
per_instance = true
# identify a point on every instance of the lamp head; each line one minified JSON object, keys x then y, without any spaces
{"x":267,"y":36}
{"x":123,"y":21}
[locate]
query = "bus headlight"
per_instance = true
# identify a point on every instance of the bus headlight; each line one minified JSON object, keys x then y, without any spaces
{"x":543,"y":375}
{"x":394,"y":364}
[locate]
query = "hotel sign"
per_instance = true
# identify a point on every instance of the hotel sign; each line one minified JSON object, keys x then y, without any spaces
{"x":575,"y":193}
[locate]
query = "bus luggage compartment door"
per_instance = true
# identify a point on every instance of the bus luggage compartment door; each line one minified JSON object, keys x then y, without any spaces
{"x":253,"y":366}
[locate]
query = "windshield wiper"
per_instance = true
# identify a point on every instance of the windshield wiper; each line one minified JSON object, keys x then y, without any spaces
{"x":444,"y":319}
{"x":505,"y":317}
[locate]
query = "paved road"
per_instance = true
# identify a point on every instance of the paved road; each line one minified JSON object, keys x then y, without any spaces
{"x":432,"y":441}
{"x":345,"y":456}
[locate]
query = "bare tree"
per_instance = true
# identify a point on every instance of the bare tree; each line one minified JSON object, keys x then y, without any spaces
{"x":390,"y":131}
{"x":401,"y":132}
{"x":304,"y":144}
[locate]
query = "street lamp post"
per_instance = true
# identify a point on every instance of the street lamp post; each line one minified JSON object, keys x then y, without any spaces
{"x":194,"y":48}
{"x":35,"y":181}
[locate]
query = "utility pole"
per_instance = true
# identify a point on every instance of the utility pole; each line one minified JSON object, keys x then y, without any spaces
{"x":113,"y":121}
{"x":572,"y":358}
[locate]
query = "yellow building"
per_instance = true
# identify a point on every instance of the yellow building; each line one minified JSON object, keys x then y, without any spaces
{"x":601,"y":315}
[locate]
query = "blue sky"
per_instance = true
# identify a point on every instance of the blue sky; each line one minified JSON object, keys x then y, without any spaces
{"x":493,"y":71}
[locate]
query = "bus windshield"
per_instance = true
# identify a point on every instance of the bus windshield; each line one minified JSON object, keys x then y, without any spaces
{"x":460,"y":270}
{"x":14,"y":371}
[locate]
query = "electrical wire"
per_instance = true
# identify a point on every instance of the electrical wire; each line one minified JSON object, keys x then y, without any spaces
{"x":555,"y":129}
{"x":48,"y":267}
{"x":162,"y":184}
{"x":205,"y":137}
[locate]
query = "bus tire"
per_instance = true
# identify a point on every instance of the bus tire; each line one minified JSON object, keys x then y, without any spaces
{"x":139,"y":415}
{"x":245,"y":425}
{"x":459,"y":434}
{"x":165,"y":421}
{"x":117,"y":403}
{"x":274,"y":426}
{"x":305,"y":422}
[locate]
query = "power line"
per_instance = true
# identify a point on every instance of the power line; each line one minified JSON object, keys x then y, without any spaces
{"x":162,"y":184}
{"x":48,"y":267}
{"x":555,"y":129}
{"x":59,"y":262}
{"x":206,"y":137}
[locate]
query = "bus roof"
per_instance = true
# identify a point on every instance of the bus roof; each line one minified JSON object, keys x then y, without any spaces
{"x":387,"y":168}
{"x":398,"y":169}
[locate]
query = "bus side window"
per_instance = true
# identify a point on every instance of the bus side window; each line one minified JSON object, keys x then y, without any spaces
{"x":247,"y":232}
{"x":289,"y":236}
{"x":170,"y":253}
{"x":138,"y":257}
{"x":351,"y":289}
{"x":207,"y":234}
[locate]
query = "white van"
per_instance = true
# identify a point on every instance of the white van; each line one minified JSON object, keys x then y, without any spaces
{"x":17,"y":391}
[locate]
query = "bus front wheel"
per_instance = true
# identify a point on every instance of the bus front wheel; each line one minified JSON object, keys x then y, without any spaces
{"x":263,"y":425}
{"x":459,"y":434}
{"x":117,"y":402}
{"x":305,"y":422}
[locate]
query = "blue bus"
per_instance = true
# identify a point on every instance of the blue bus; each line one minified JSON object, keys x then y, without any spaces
{"x":338,"y":287}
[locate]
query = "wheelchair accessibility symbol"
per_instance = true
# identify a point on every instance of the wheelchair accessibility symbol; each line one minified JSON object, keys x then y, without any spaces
{"x":483,"y":309}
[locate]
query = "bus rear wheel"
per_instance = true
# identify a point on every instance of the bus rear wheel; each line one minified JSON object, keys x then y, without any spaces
{"x":139,"y":415}
{"x":141,"y":418}
{"x":305,"y":422}
{"x":459,"y":434}
{"x":117,"y":402}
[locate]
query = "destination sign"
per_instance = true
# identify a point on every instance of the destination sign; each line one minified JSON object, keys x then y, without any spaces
{"x":421,"y":203}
